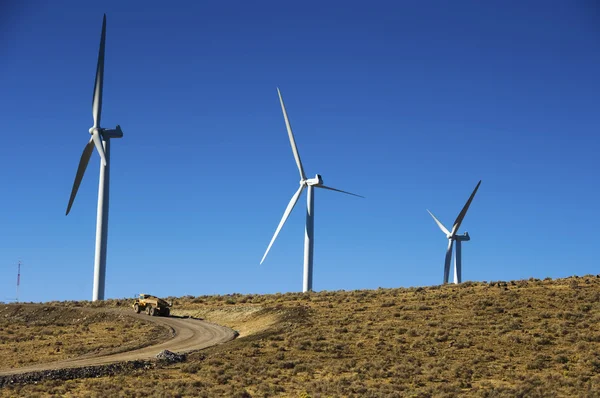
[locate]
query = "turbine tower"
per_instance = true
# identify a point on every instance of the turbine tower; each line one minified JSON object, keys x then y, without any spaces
{"x":100,"y":138}
{"x":310,"y":184}
{"x":452,"y":237}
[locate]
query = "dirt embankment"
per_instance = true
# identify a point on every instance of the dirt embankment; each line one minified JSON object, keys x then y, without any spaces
{"x":246,"y":320}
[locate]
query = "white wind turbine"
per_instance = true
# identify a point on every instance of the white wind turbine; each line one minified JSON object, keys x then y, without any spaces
{"x":100,"y":138}
{"x":452,"y":236}
{"x":310,"y":184}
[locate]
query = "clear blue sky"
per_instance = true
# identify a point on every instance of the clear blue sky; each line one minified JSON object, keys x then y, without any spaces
{"x":406,"y":103}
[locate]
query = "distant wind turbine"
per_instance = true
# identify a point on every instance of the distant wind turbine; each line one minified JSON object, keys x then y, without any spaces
{"x":452,"y":236}
{"x":310,"y":183}
{"x":100,"y":138}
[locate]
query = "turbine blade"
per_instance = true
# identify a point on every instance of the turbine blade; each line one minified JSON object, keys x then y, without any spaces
{"x":337,"y":190}
{"x":448,"y":260}
{"x":83,"y":162}
{"x":286,"y":214}
{"x":291,"y":136}
{"x":463,"y":212}
{"x":444,"y":229}
{"x":97,"y":97}
{"x":98,"y":142}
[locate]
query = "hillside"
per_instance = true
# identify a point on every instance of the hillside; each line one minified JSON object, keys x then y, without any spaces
{"x":522,"y":338}
{"x":32,"y":334}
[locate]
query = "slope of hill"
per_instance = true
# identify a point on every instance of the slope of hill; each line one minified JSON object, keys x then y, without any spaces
{"x":32,"y":334}
{"x":521,"y":338}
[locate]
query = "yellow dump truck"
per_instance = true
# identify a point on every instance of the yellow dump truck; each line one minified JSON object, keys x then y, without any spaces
{"x":152,"y":305}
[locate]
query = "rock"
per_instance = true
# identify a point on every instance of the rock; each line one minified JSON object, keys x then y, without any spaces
{"x":170,"y":357}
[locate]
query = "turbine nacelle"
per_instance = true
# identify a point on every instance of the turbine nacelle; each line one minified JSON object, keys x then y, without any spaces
{"x":113,"y":133}
{"x":107,"y":133}
{"x":314,"y":181}
{"x":463,"y":238}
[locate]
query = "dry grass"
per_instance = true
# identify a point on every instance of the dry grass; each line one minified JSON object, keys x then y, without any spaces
{"x":515,"y":339}
{"x":31,"y":334}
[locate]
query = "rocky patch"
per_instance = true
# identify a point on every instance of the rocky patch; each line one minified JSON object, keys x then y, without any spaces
{"x":170,"y":357}
{"x":76,"y":373}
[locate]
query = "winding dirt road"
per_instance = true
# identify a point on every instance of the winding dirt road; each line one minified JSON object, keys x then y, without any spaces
{"x":188,"y":335}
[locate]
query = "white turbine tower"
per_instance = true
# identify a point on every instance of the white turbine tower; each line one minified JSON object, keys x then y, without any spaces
{"x":452,"y":236}
{"x":100,"y":138}
{"x":309,"y":183}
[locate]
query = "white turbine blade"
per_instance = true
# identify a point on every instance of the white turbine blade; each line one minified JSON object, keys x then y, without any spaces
{"x":97,"y":97}
{"x":463,"y":212}
{"x":448,"y":260}
{"x":291,"y":136}
{"x":286,"y":214}
{"x":98,"y":143}
{"x":444,"y":229}
{"x":337,"y":190}
{"x":83,"y":162}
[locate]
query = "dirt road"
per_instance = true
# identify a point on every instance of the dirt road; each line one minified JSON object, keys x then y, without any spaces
{"x":188,"y":335}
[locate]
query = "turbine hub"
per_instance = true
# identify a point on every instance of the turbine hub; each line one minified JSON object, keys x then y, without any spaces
{"x":92,"y":129}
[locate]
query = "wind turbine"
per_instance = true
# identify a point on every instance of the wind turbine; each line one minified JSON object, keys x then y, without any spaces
{"x":100,"y":138}
{"x":452,"y":236}
{"x":310,"y":184}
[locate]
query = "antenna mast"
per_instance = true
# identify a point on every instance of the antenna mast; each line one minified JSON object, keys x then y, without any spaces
{"x":18,"y":279}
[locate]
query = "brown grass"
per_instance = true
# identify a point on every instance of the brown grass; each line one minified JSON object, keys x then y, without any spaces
{"x":501,"y":339}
